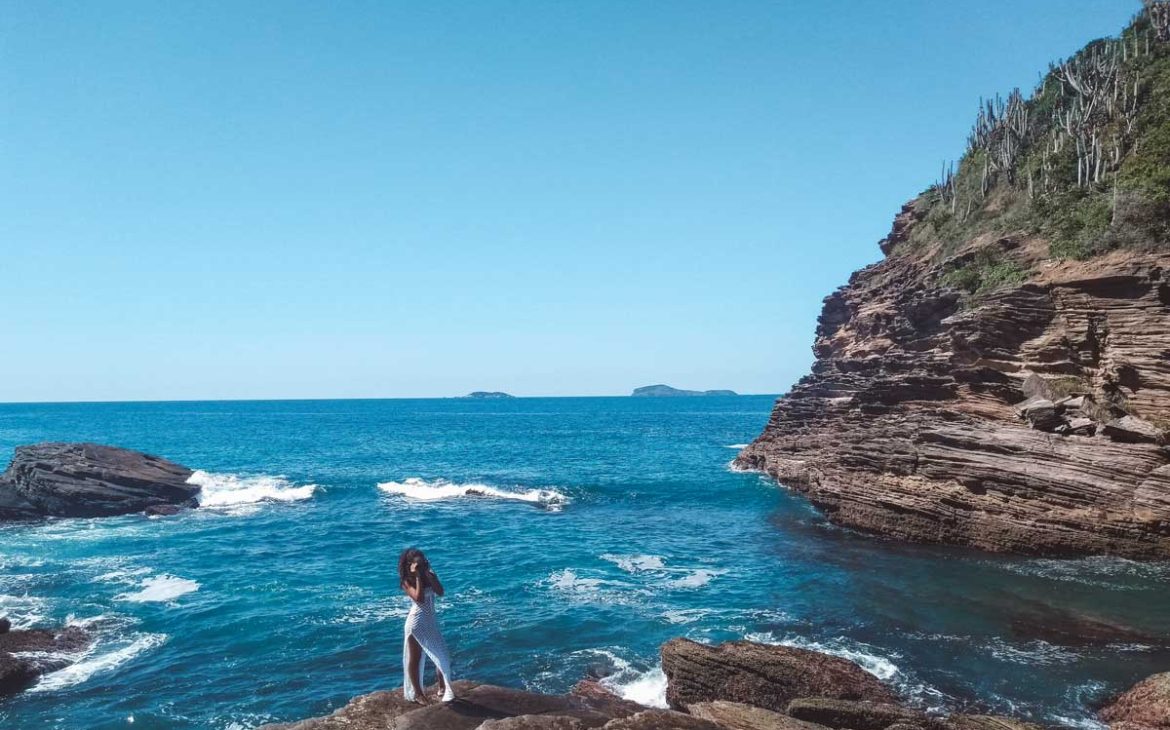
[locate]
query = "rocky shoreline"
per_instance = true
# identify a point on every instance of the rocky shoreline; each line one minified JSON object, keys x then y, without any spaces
{"x":27,"y":654}
{"x":733,"y":686}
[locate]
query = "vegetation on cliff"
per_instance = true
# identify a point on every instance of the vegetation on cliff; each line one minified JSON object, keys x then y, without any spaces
{"x":1083,"y":162}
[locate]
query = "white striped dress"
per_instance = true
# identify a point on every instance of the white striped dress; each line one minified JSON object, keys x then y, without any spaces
{"x":423,"y":625}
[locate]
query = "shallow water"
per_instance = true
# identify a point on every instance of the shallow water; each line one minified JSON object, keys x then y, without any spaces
{"x":574,"y":537}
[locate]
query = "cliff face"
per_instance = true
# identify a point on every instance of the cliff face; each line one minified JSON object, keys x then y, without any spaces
{"x":908,"y":424}
{"x":1002,"y":378}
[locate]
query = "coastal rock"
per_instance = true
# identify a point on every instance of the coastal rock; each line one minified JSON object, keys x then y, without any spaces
{"x":660,"y":720}
{"x":27,"y":654}
{"x":89,"y":480}
{"x":760,"y":675}
{"x":1146,"y":705}
{"x":906,"y":426}
{"x":477,"y":705}
{"x":738,"y":716}
{"x":853,"y":715}
{"x":987,"y":722}
{"x":5,"y":625}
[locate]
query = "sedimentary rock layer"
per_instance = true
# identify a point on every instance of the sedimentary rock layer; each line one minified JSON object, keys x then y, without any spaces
{"x":1029,"y":419}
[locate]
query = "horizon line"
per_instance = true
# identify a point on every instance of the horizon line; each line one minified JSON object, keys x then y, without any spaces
{"x":357,"y":398}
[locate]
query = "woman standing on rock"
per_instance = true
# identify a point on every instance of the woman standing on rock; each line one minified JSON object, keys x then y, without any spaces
{"x":422,"y":633}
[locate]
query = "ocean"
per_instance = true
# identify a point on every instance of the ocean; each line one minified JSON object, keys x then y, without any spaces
{"x":574,"y":536}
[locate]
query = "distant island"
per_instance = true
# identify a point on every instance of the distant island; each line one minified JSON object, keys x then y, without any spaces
{"x":665,"y":391}
{"x":485,"y":394}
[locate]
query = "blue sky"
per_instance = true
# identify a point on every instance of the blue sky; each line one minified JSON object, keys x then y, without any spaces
{"x":347,"y":199}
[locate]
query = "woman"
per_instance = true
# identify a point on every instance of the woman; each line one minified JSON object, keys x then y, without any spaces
{"x":421,"y":635}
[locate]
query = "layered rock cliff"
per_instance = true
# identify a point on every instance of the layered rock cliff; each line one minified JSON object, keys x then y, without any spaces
{"x":1001,"y":379}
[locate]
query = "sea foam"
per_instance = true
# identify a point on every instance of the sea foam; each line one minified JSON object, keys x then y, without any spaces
{"x":233,"y":491}
{"x":646,"y":687}
{"x":159,"y":589}
{"x":101,"y":659}
{"x":435,"y":490}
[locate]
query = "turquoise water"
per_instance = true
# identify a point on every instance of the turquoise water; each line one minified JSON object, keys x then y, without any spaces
{"x":601,"y":528}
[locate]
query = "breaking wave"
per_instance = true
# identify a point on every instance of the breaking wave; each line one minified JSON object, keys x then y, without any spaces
{"x":230,"y":491}
{"x":435,"y":490}
{"x":94,"y":661}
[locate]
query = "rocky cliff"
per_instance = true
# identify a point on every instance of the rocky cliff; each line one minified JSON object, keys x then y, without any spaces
{"x":1002,"y":378}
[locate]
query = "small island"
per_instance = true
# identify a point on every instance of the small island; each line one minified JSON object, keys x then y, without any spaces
{"x":665,"y":391}
{"x":488,"y":394}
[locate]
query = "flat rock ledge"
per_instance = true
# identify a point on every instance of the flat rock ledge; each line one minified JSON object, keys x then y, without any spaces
{"x":709,"y":688}
{"x":1146,"y":706}
{"x":90,"y":480}
{"x":27,"y":654}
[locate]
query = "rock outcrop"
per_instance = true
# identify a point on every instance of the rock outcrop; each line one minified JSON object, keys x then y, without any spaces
{"x":793,"y":689}
{"x":27,"y":654}
{"x":478,"y":705}
{"x":763,"y":676}
{"x":1008,"y":422}
{"x":1146,"y":706}
{"x":90,"y":480}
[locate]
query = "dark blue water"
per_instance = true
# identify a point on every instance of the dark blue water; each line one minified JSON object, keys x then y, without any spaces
{"x":602,"y":527}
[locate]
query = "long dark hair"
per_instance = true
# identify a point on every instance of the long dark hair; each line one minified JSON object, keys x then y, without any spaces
{"x":408,"y":556}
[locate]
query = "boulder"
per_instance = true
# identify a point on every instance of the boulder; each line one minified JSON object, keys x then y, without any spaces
{"x":1146,"y":705}
{"x":1133,"y":430}
{"x":1081,"y":427}
{"x":5,"y":625}
{"x":27,"y":654}
{"x":761,"y":675}
{"x":853,"y":715}
{"x":89,"y":480}
{"x":1040,"y":413}
{"x":738,"y":716}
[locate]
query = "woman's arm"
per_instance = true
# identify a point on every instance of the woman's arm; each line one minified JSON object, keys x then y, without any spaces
{"x":436,"y":586}
{"x":414,"y":589}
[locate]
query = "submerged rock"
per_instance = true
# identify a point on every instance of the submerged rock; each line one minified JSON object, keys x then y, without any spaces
{"x":761,"y":675}
{"x":1145,"y":706}
{"x":90,"y":480}
{"x":27,"y":654}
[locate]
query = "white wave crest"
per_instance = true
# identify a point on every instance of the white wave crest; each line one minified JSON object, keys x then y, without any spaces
{"x":696,"y":578}
{"x":567,"y":580}
{"x":860,"y":654}
{"x":647,"y":687}
{"x":159,"y":589}
{"x":422,"y":490}
{"x":737,"y":446}
{"x":636,"y":563}
{"x":25,"y":612}
{"x":233,"y":491}
{"x":93,"y":661}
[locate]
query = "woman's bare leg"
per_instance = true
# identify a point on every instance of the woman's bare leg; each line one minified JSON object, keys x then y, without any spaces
{"x":415,"y":657}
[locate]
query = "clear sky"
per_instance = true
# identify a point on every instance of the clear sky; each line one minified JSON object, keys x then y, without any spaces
{"x":347,"y":199}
